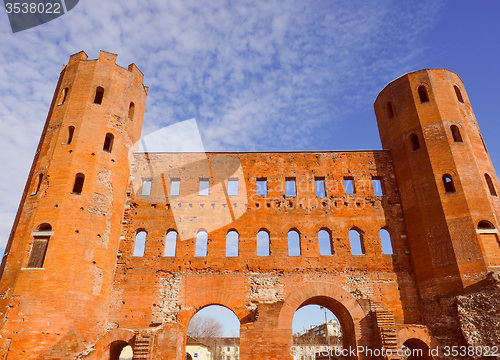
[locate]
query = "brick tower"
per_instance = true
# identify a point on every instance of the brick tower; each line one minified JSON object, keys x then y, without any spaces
{"x":448,"y":189}
{"x":58,"y":269}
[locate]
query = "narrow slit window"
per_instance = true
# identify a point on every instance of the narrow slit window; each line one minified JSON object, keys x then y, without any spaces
{"x":293,"y":243}
{"x":263,"y":243}
{"x":38,"y":184}
{"x":458,"y":93}
{"x":170,"y":244}
{"x":422,"y":93}
{"x":262,"y":186}
{"x":140,"y":243}
{"x":99,"y":94}
{"x":356,"y":242}
{"x":175,"y":187}
{"x":290,"y":187}
{"x":204,"y":187}
{"x":201,"y":244}
{"x":455,"y":132}
{"x":62,"y":98}
{"x":146,"y":186}
{"x":415,"y":143}
{"x":390,"y":111}
{"x":449,"y":186}
{"x":349,"y":185}
{"x":232,"y":187}
{"x":131,"y":111}
{"x":40,"y":245}
{"x":232,"y":244}
{"x":491,"y":187}
{"x":108,"y":142}
{"x":325,"y":243}
{"x":377,"y":186}
{"x":71,"y":132}
{"x":484,"y":145}
{"x":319,"y":184}
{"x":385,"y":240}
{"x":78,"y":185}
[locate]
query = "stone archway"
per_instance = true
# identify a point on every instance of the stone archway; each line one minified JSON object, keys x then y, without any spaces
{"x":419,"y":349}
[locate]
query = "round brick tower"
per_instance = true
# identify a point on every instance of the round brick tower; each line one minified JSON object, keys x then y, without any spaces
{"x":58,"y":268}
{"x":447,"y":184}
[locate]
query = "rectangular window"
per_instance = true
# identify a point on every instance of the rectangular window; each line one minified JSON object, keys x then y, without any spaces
{"x":377,"y":186}
{"x":319,"y":183}
{"x":232,"y":187}
{"x":175,"y":187}
{"x":38,"y":251}
{"x":349,"y":185}
{"x":290,"y":187}
{"x":262,"y":186}
{"x":146,"y":186}
{"x":204,"y":185}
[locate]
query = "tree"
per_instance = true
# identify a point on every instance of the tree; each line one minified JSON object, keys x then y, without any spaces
{"x":204,"y":327}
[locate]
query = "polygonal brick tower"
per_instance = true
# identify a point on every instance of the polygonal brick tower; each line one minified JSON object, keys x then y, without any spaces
{"x":58,"y":268}
{"x":449,"y":193}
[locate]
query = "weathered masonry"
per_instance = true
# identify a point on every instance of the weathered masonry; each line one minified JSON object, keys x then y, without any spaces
{"x":113,"y":248}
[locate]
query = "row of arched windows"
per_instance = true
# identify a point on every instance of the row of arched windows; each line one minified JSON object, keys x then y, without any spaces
{"x":98,"y":97}
{"x":423,"y":96}
{"x":455,"y":133}
{"x":108,"y":139}
{"x":356,"y":239}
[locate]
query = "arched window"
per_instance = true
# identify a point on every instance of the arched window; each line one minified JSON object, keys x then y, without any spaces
{"x":140,"y":242}
{"x":458,"y":93}
{"x":40,"y":243}
{"x":263,"y":243}
{"x":293,"y":243}
{"x":38,"y":184}
{"x":449,"y":186}
{"x":71,"y":131}
{"x":131,"y":111}
{"x":78,"y":185}
{"x":415,"y":143}
{"x":62,"y":96}
{"x":108,"y":142}
{"x":356,"y":241}
{"x":170,"y":243}
{"x":385,"y":240}
{"x":485,"y":225}
{"x":390,"y":111}
{"x":99,"y":94}
{"x":422,"y":94}
{"x":491,"y":187}
{"x":324,"y":242}
{"x":201,"y":243}
{"x":455,"y":132}
{"x":232,"y":244}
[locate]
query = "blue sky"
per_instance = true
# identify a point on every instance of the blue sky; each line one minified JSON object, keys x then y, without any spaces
{"x":257,"y":75}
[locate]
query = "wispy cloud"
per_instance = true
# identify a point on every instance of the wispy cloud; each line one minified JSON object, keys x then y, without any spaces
{"x":257,"y":75}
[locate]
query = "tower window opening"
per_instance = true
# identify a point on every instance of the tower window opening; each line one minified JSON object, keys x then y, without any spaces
{"x":319,"y":184}
{"x":232,"y":244}
{"x":290,"y":187}
{"x":293,"y":243}
{"x":325,"y":242}
{"x":62,"y":97}
{"x":263,"y":243}
{"x":99,"y":94}
{"x":78,"y":185}
{"x":449,"y":186}
{"x":131,"y":111}
{"x":349,"y":187}
{"x":201,"y":243}
{"x":108,"y":142}
{"x":491,"y":187}
{"x":146,"y":187}
{"x":415,"y":143}
{"x":39,"y":247}
{"x":458,"y":93}
{"x":175,"y":187}
{"x":262,"y":186}
{"x":422,"y":94}
{"x":377,"y":186}
{"x":485,"y":225}
{"x":455,"y":132}
{"x":385,"y":240}
{"x":390,"y":111}
{"x":71,"y":132}
{"x":140,"y":243}
{"x":356,"y":242}
{"x":38,"y":184}
{"x":484,"y":145}
{"x":170,"y":243}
